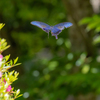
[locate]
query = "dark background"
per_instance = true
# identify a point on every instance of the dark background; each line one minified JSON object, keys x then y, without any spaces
{"x":63,"y":69}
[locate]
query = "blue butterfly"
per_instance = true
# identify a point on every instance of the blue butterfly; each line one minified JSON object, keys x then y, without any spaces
{"x":55,"y":30}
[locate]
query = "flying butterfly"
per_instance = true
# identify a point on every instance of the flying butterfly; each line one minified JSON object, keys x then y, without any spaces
{"x":55,"y":30}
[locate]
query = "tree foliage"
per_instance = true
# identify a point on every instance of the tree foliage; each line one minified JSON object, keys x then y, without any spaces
{"x":51,"y":69}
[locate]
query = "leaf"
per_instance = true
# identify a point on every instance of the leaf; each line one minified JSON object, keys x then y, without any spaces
{"x":19,"y":95}
{"x":6,"y":47}
{"x":1,"y":25}
{"x":92,"y":25}
{"x":85,"y":21}
{"x":17,"y":64}
{"x":11,"y":62}
{"x":10,"y":73}
{"x":15,"y":60}
{"x":2,"y":41}
{"x":96,"y":40}
{"x":4,"y":44}
{"x":97,"y":29}
{"x":7,"y":57}
{"x":17,"y":92}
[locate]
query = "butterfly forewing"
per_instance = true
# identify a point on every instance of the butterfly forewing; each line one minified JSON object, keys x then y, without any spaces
{"x":45,"y":27}
{"x":42,"y":25}
{"x":63,"y":25}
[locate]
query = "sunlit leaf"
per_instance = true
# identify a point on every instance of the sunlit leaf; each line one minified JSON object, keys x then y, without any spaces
{"x":1,"y":25}
{"x":85,"y":21}
{"x":15,"y":60}
{"x":96,"y":40}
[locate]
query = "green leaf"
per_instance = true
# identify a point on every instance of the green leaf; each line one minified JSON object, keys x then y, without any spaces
{"x":15,"y":60}
{"x":6,"y":47}
{"x":2,"y":41}
{"x":91,"y":25}
{"x":85,"y":21}
{"x":10,"y":73}
{"x":4,"y":44}
{"x":19,"y":95}
{"x":17,"y":64}
{"x":96,"y":40}
{"x":17,"y":92}
{"x":97,"y":29}
{"x":11,"y":62}
{"x":1,"y":25}
{"x":7,"y":57}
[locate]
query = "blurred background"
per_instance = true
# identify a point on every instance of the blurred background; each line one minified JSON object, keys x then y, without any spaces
{"x":64,"y":69}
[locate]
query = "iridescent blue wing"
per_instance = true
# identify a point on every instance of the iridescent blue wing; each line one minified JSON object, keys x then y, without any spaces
{"x":45,"y":27}
{"x":63,"y":25}
{"x":55,"y":30}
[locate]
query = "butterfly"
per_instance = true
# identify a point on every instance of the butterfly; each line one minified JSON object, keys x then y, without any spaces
{"x":55,"y":30}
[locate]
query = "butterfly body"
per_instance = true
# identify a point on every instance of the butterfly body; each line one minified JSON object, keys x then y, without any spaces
{"x":55,"y":30}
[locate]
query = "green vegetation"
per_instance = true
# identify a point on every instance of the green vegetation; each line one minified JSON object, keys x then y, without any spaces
{"x":53,"y":69}
{"x":6,"y":77}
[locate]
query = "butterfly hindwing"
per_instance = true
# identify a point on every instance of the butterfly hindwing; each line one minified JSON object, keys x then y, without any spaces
{"x":59,"y":27}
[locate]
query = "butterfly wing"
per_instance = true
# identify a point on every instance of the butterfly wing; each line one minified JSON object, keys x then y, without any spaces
{"x":59,"y":27}
{"x":45,"y":27}
{"x":63,"y":25}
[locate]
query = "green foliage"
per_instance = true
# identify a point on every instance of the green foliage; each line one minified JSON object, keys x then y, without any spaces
{"x":3,"y":45}
{"x":96,"y":40}
{"x":6,"y":77}
{"x":51,"y":70}
{"x":92,"y":23}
